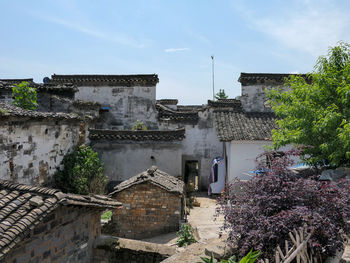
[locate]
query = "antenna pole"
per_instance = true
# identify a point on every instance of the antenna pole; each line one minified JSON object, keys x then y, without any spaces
{"x":212,"y":69}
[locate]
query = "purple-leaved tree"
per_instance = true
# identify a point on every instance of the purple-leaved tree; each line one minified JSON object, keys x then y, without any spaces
{"x":261,"y":212}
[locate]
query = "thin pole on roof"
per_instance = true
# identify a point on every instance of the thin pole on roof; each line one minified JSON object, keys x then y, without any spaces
{"x":212,"y":69}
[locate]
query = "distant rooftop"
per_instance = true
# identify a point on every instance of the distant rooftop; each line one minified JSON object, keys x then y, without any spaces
{"x":107,"y":80}
{"x":266,"y":78}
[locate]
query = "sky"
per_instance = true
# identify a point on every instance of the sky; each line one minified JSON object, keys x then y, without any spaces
{"x":174,"y":39}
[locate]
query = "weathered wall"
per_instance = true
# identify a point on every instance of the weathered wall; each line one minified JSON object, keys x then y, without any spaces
{"x":127,"y":105}
{"x":31,"y":149}
{"x":241,"y":157}
{"x":66,"y":235}
{"x":124,"y":160}
{"x":254,"y":97}
{"x":201,"y":143}
{"x":147,"y":211}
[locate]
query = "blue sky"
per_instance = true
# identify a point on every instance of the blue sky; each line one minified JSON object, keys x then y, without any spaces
{"x":174,"y":39}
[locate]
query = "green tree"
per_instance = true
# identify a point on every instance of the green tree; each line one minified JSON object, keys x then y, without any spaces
{"x":24,"y":96}
{"x":221,"y":94}
{"x":82,"y":172}
{"x":315,"y":111}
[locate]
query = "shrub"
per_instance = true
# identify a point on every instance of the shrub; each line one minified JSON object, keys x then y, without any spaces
{"x":261,"y":212}
{"x":82,"y":173}
{"x":139,"y":126}
{"x":107,"y":215}
{"x":185,"y":236}
{"x":24,"y":96}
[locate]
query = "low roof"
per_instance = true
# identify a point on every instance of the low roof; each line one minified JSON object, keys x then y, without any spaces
{"x":128,"y":135}
{"x":8,"y":110}
{"x":243,"y":126}
{"x":179,"y":115}
{"x":168,"y":101}
{"x":229,"y":103}
{"x":22,"y":207}
{"x":154,"y":176}
{"x":108,"y":80}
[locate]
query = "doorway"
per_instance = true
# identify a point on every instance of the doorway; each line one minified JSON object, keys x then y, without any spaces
{"x":191,"y":174}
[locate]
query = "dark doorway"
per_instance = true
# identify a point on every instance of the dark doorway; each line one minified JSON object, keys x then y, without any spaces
{"x":191,"y":173}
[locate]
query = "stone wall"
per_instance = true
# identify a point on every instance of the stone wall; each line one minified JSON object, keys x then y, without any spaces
{"x":147,"y":211}
{"x":123,"y":160}
{"x":115,"y":250}
{"x":66,"y":235}
{"x":123,"y":106}
{"x":31,"y":149}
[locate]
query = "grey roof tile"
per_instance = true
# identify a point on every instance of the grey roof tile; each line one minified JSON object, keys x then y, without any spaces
{"x":149,"y":135}
{"x":13,"y":111}
{"x":244,"y":126}
{"x":22,"y":207}
{"x":154,"y":176}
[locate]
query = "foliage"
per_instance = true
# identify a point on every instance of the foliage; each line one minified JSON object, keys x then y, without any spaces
{"x":106,"y":215}
{"x":185,"y":236}
{"x":221,"y":94}
{"x":139,"y":126}
{"x":251,"y":257}
{"x":261,"y":212}
{"x":82,"y":173}
{"x":317,"y":113}
{"x":3,"y":111}
{"x":24,"y":96}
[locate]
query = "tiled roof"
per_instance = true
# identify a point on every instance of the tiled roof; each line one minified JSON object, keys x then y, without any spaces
{"x":40,"y":87}
{"x":165,"y":113}
{"x":17,"y":81}
{"x":108,"y":80}
{"x":7,"y":110}
{"x":266,"y":78}
{"x":22,"y":207}
{"x":149,"y":135}
{"x":244,"y":126}
{"x":229,"y":103}
{"x":154,"y":176}
{"x":168,"y":101}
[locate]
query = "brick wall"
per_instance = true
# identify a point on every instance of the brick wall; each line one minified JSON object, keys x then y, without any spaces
{"x":66,"y":235}
{"x":147,"y":210}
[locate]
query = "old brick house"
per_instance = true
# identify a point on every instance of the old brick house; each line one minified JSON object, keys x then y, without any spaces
{"x":40,"y":224}
{"x":152,"y":205}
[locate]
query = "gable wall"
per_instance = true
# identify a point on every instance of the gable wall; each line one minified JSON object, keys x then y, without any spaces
{"x":127,"y":105}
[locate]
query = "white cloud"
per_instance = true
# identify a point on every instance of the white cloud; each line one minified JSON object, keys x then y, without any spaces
{"x":309,"y":26}
{"x":92,"y":32}
{"x":169,"y":50}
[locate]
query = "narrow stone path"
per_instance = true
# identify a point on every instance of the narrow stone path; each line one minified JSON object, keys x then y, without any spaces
{"x":203,"y":220}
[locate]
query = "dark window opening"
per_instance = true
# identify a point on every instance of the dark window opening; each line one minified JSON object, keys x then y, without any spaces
{"x":216,"y":176}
